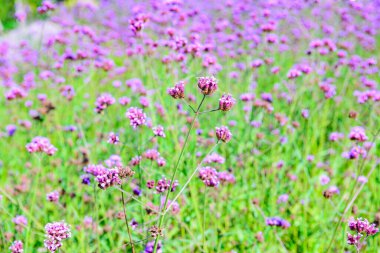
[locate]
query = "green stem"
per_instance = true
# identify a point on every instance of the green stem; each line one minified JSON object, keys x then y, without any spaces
{"x":126,"y":223}
{"x":175,"y":172}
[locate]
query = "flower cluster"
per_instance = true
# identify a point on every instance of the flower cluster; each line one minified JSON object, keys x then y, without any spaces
{"x":207,"y":85}
{"x":358,"y":134}
{"x":104,"y":101}
{"x":178,"y":91}
{"x":16,"y":247}
{"x":136,"y":116}
{"x":53,"y":196}
{"x":362,"y":228}
{"x":226,"y":102}
{"x":223,"y":134}
{"x":41,"y":145}
{"x":56,"y":232}
{"x":277,"y":222}
{"x":209,"y":176}
{"x":108,"y":178}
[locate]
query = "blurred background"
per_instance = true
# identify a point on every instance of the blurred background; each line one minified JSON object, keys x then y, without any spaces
{"x":9,"y":8}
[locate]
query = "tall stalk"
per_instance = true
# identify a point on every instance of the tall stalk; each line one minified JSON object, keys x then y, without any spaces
{"x":161,"y":220}
{"x":126,"y":222}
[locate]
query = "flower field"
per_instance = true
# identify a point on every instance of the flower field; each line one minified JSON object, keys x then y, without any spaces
{"x":191,"y":126}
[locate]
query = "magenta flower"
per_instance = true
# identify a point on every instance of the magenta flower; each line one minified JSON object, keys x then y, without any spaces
{"x":223,"y":134}
{"x":55,"y":233}
{"x":226,"y":102}
{"x":108,"y":179}
{"x":136,"y":116}
{"x":178,"y":91}
{"x":104,"y":101}
{"x":207,"y":85}
{"x":209,"y":176}
{"x":113,"y":138}
{"x":41,"y":145}
{"x":358,"y":134}
{"x":159,"y":131}
{"x":53,"y":196}
{"x":17,"y":247}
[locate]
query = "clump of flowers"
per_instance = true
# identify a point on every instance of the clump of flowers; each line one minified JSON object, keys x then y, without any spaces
{"x":207,"y":85}
{"x":104,"y":101}
{"x":226,"y":102}
{"x":209,"y":176}
{"x":363,"y":230}
{"x":113,"y":138}
{"x":41,"y":145}
{"x":108,"y":178}
{"x":53,"y":196}
{"x":55,"y":233}
{"x":358,"y":134}
{"x":223,"y":134}
{"x":136,"y":116}
{"x":159,"y":131}
{"x":21,"y":222}
{"x":178,"y":91}
{"x":277,"y":222}
{"x":17,"y":247}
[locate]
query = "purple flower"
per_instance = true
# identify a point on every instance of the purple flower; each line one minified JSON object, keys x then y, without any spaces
{"x":358,"y":134}
{"x":41,"y":145}
{"x":226,"y":102}
{"x":178,"y":91}
{"x":149,"y":247}
{"x":159,"y":131}
{"x":16,"y":247}
{"x":11,"y":129}
{"x":277,"y":222}
{"x":223,"y":134}
{"x":113,"y":138}
{"x":53,"y":196}
{"x":104,"y":101}
{"x":136,"y":116}
{"x":56,"y":232}
{"x":108,"y":179}
{"x":209,"y":176}
{"x":207,"y":85}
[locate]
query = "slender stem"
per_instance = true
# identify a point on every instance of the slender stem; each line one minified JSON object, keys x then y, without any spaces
{"x":184,"y":100}
{"x":126,"y":222}
{"x":96,"y":219}
{"x":213,"y":110}
{"x":204,"y":219}
{"x":191,"y":177}
{"x":175,"y":172}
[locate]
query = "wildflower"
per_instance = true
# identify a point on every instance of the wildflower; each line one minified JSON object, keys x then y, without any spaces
{"x":209,"y":176}
{"x":41,"y":145}
{"x":108,"y":179}
{"x":152,"y":154}
{"x":324,"y":180}
{"x":331,"y":191}
{"x":11,"y":129}
{"x":17,"y":247}
{"x":149,"y":247}
{"x":161,"y":162}
{"x":56,"y":232}
{"x":113,"y":138}
{"x":104,"y":101}
{"x":214,"y":158}
{"x":178,"y":91}
{"x":159,"y":131}
{"x":277,"y":222}
{"x":223,"y":134}
{"x":207,"y":85}
{"x":136,"y":116}
{"x":53,"y":196}
{"x":226,"y":102}
{"x":358,"y":134}
{"x":283,"y":198}
{"x":20,"y":221}
{"x":45,"y":7}
{"x":226,"y":177}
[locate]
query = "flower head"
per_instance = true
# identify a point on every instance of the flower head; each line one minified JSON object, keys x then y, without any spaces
{"x":56,"y":232}
{"x":226,"y":102}
{"x":207,"y":85}
{"x":178,"y":91}
{"x":136,"y":116}
{"x":223,"y":134}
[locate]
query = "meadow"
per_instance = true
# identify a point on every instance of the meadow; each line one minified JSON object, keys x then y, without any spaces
{"x":191,"y":126}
